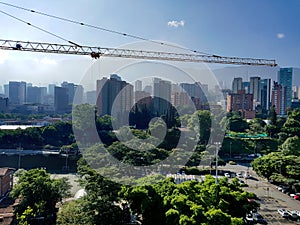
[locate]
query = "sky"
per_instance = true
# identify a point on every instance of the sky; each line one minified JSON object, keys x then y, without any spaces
{"x":257,"y":29}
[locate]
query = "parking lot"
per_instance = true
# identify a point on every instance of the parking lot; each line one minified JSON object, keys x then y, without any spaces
{"x":270,"y":198}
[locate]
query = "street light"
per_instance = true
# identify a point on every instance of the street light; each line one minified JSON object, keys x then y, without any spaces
{"x":230,"y":150}
{"x":20,"y":149}
{"x":217,"y":154}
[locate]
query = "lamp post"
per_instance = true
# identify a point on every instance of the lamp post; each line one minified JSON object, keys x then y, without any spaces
{"x":217,"y":154}
{"x":20,"y":150}
{"x":230,"y":150}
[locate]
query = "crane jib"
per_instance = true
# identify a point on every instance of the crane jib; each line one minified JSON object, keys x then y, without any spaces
{"x":97,"y":52}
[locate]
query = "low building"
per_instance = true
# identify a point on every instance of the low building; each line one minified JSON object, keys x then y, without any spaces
{"x":6,"y":180}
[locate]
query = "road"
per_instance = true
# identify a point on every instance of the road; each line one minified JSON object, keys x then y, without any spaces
{"x":270,"y":198}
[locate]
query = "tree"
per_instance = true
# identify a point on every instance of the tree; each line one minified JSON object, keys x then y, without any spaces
{"x":201,"y":122}
{"x":237,"y":124}
{"x":38,"y":195}
{"x":101,"y":205}
{"x":257,"y":125}
{"x":291,"y":146}
{"x":72,"y":213}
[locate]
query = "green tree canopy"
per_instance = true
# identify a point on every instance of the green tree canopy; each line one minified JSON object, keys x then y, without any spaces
{"x":38,"y":195}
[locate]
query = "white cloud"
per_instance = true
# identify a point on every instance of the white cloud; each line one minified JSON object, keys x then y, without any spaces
{"x":175,"y":23}
{"x":280,"y":35}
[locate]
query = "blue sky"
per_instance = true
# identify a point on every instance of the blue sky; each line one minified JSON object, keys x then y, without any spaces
{"x":258,"y":29}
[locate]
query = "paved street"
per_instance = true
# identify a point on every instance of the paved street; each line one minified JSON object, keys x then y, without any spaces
{"x":270,"y":198}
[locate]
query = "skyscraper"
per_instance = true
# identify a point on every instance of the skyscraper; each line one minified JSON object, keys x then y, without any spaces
{"x":114,"y":92}
{"x":70,"y":90}
{"x":278,"y":99}
{"x":161,"y":95}
{"x":255,"y":88}
{"x":61,"y":100}
{"x":285,"y":79}
{"x":17,"y":92}
{"x":138,"y":85}
{"x":265,"y":93}
{"x":237,"y":85}
{"x":246,"y":87}
{"x":34,"y":95}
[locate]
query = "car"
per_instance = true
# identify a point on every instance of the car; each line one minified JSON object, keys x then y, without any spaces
{"x":239,"y":175}
{"x":297,"y":212}
{"x":227,"y":175}
{"x":283,"y":213}
{"x":258,"y":218}
{"x":241,"y":181}
{"x":232,"y":163}
{"x":249,"y":219}
{"x":292,"y":215}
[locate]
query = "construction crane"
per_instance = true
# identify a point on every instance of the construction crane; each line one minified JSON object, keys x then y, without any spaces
{"x":97,"y":52}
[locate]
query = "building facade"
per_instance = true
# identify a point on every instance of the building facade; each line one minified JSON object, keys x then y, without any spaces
{"x":285,"y":79}
{"x":237,"y":85}
{"x":6,"y":180}
{"x":241,"y":102}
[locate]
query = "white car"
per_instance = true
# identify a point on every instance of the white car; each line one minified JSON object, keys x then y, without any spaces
{"x":227,"y":175}
{"x":283,"y":213}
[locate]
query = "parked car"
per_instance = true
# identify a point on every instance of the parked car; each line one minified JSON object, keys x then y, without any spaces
{"x":297,"y":212}
{"x":239,"y":175}
{"x":249,"y":219}
{"x":232,"y":163}
{"x":227,"y":175}
{"x":292,"y":215}
{"x":258,"y":218}
{"x":283,"y":213}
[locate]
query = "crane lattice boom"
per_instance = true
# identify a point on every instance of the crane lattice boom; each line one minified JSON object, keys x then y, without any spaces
{"x":97,"y":52}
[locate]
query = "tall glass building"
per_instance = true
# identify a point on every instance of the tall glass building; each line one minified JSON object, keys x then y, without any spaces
{"x":285,"y":79}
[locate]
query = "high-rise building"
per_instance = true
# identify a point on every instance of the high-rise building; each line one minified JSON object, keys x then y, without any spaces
{"x":17,"y":92}
{"x":34,"y":95}
{"x":6,"y":90}
{"x":4,"y":106}
{"x":138,"y":85}
{"x":278,"y":99}
{"x":295,"y":92}
{"x":79,"y":94}
{"x":90,"y":97}
{"x":237,"y":84}
{"x":161,"y":95}
{"x":241,"y":102}
{"x":285,"y":79}
{"x":61,"y":100}
{"x":114,"y":92}
{"x":70,"y":90}
{"x":51,"y":88}
{"x":246,"y":87}
{"x":148,"y":89}
{"x":180,"y":98}
{"x":265,"y":94}
{"x":255,"y":88}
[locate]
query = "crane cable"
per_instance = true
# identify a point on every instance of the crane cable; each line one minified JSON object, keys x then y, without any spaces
{"x":41,"y":29}
{"x":101,"y":28}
